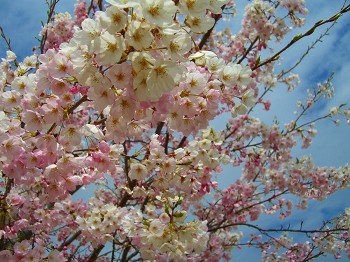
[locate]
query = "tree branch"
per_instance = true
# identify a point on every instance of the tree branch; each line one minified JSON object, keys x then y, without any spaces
{"x":300,"y":36}
{"x":182,"y":142}
{"x":95,"y":253}
{"x":8,"y":43}
{"x":50,"y":14}
{"x":125,"y":253}
{"x":208,"y":33}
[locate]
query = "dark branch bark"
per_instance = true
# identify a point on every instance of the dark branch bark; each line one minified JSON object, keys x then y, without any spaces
{"x":182,"y":142}
{"x":166,"y":142}
{"x":159,"y":128}
{"x":125,"y":253}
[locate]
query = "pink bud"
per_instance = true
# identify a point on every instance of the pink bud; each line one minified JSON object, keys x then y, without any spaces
{"x":104,"y":147}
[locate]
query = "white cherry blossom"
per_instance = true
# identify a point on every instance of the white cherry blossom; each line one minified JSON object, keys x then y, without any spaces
{"x":199,"y":24}
{"x":193,"y":7}
{"x":178,"y":44}
{"x":141,"y":61}
{"x":159,"y":12}
{"x":91,"y":30}
{"x":114,"y":19}
{"x":109,"y":48}
{"x":162,"y":78}
{"x":138,"y":35}
{"x":138,"y":171}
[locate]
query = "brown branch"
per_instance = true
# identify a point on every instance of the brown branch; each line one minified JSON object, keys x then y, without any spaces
{"x":133,"y":183}
{"x":309,"y":257}
{"x":100,"y":6}
{"x":113,"y":249}
{"x":101,"y":121}
{"x":3,"y":205}
{"x":318,"y":40}
{"x":90,"y":7}
{"x":231,"y":133}
{"x":159,"y":127}
{"x":125,"y":253}
{"x":182,"y":142}
{"x":144,"y":203}
{"x":220,"y":224}
{"x":166,"y":143}
{"x":95,"y":253}
{"x":132,"y":255}
{"x":71,"y":256}
{"x":248,"y":50}
{"x":126,"y":163}
{"x":253,"y":42}
{"x":51,"y":128}
{"x":78,"y":103}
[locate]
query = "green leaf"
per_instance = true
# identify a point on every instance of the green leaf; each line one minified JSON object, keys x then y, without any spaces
{"x":185,"y":163}
{"x":257,"y":62}
{"x":297,"y":37}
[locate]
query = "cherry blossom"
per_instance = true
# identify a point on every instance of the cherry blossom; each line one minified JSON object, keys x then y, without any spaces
{"x":119,"y":101}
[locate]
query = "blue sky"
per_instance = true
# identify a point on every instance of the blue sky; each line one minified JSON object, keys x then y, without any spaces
{"x":331,"y":147}
{"x":21,"y":21}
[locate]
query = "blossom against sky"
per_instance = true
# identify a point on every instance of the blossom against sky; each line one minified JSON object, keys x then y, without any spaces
{"x":331,"y":146}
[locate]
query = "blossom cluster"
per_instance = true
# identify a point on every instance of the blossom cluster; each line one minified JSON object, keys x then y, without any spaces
{"x":157,"y":236}
{"x":120,"y":99}
{"x":59,"y":31}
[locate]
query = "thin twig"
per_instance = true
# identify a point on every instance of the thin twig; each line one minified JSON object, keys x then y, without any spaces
{"x":248,"y":50}
{"x":8,"y":43}
{"x":319,"y":39}
{"x":90,"y":7}
{"x":274,"y":230}
{"x":166,"y":143}
{"x":50,"y":14}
